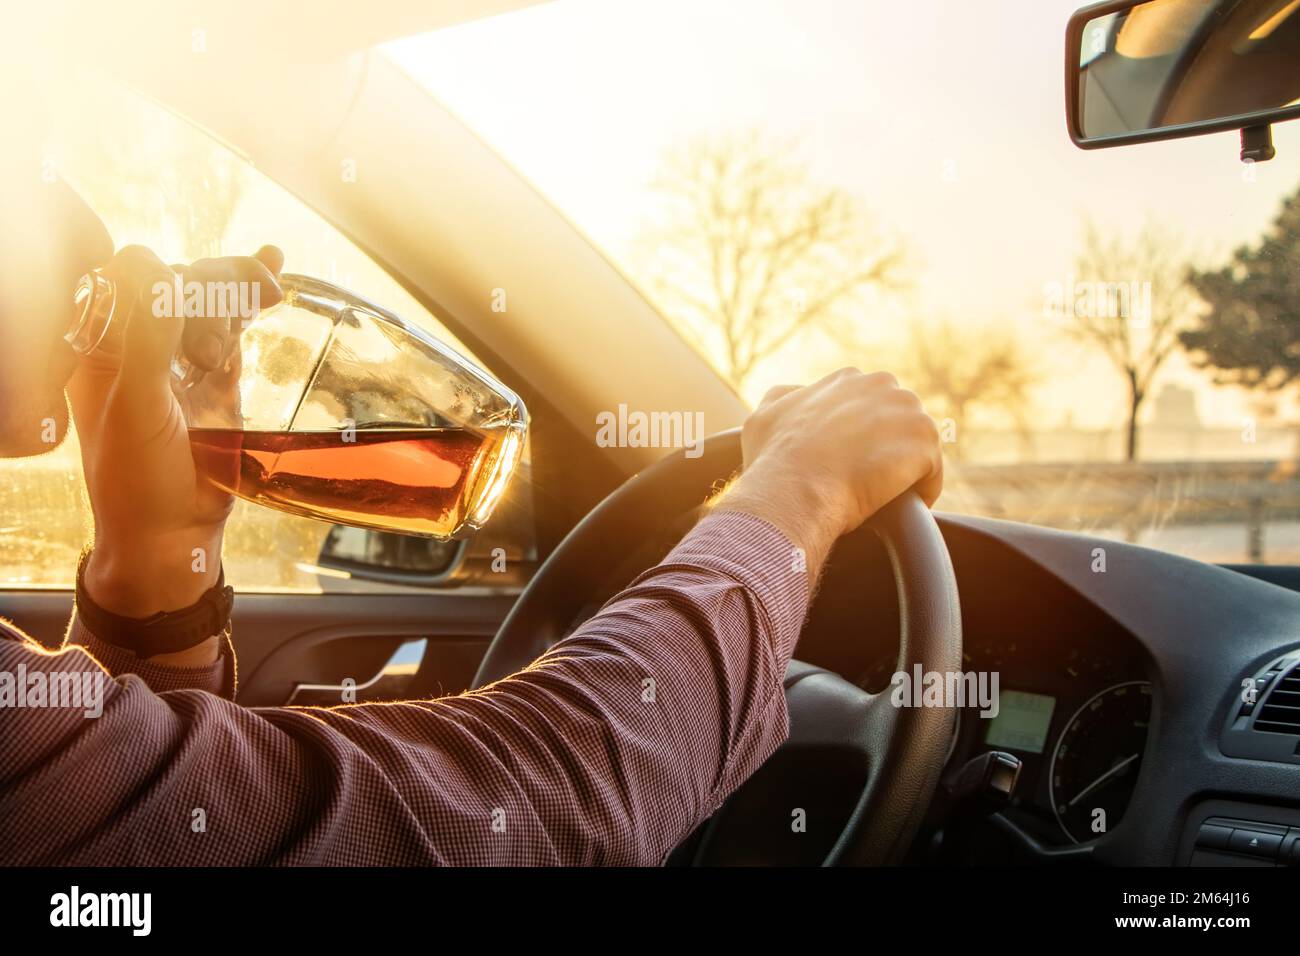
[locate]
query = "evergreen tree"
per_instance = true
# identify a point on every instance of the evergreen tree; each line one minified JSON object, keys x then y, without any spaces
{"x":1251,"y":334}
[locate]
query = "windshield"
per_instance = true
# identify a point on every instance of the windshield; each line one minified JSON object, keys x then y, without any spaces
{"x":1101,"y":335}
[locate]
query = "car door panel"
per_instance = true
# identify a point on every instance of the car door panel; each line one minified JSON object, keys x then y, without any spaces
{"x":287,"y":641}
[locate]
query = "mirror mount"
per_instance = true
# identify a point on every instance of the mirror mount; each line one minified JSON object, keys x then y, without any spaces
{"x":1257,"y":144}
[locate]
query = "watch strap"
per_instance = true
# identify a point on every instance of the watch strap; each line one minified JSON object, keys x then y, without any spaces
{"x":164,"y":633}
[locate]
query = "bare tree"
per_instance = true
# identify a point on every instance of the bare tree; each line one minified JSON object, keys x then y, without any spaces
{"x":1130,"y":300}
{"x":958,"y":369}
{"x":750,"y":252}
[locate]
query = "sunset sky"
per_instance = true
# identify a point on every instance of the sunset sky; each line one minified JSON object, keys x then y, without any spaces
{"x":947,"y":118}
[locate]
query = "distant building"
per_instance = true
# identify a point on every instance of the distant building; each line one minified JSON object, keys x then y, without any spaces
{"x":1174,"y":407}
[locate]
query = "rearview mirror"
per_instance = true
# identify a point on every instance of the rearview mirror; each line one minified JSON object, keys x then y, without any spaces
{"x":1173,"y":68}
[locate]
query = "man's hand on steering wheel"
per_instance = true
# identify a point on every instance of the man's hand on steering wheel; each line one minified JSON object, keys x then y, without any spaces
{"x":822,"y":459}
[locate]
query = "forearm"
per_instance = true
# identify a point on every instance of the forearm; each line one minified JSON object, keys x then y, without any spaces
{"x":799,"y":509}
{"x":609,"y":749}
{"x":157,"y":575}
{"x":655,"y":710}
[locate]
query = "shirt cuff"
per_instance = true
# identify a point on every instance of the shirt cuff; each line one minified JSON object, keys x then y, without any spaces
{"x":215,"y":678}
{"x":754,"y":553}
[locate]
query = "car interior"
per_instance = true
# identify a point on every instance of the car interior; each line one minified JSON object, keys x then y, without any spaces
{"x":1154,"y":692}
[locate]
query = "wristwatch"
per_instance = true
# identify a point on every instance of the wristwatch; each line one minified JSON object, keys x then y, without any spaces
{"x":164,"y":633}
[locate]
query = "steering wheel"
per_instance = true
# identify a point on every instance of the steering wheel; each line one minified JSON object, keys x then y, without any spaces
{"x":898,"y":751}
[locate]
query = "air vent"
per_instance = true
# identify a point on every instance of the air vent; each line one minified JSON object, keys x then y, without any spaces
{"x":1265,"y":725}
{"x":1280,"y":711}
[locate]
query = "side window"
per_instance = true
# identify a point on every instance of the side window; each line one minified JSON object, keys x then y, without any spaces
{"x":157,"y":181}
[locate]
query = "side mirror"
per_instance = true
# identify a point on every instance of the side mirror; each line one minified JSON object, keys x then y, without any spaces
{"x":1166,"y":69}
{"x":500,"y":557}
{"x":391,"y":558}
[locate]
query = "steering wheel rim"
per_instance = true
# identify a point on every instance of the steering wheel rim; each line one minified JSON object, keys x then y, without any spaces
{"x":903,"y":748}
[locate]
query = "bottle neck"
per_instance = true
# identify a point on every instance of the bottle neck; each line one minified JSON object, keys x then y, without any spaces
{"x":94,"y":311}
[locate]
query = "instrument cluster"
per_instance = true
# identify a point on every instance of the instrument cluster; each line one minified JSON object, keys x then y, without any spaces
{"x":1076,"y":716}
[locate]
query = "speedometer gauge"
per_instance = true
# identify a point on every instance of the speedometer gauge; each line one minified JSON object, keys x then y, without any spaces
{"x":1095,"y":764}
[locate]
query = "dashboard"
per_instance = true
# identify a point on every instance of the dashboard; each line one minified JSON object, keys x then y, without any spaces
{"x":1118,"y":694}
{"x":1073,"y":690}
{"x":1115,"y":687}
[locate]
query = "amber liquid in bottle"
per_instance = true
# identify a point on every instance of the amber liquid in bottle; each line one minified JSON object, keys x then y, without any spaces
{"x":413,"y":480}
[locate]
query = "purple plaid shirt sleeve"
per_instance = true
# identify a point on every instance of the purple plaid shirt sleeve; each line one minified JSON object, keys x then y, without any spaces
{"x":609,"y":749}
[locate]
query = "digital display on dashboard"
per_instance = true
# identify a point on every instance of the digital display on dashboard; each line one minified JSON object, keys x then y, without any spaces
{"x":1022,"y":721}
